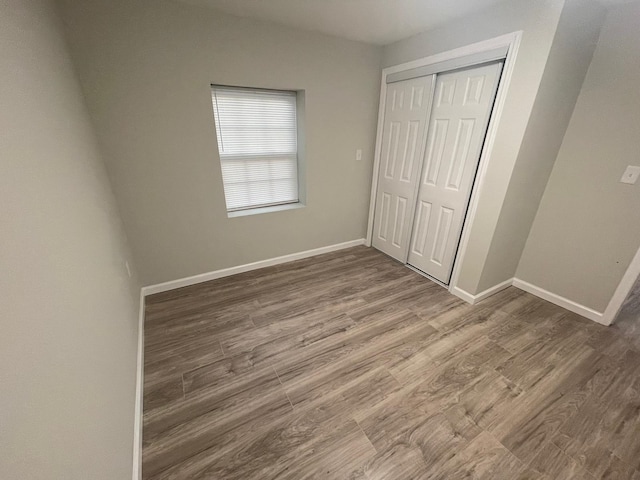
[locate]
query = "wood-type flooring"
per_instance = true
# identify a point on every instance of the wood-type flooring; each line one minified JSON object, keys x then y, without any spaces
{"x":351,"y":366}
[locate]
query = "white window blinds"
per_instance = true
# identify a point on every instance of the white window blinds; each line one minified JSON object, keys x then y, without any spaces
{"x":257,"y":140}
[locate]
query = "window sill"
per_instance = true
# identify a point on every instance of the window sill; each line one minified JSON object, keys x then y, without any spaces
{"x":258,"y":211}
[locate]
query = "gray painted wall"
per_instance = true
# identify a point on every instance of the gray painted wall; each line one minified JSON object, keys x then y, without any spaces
{"x":573,"y":46}
{"x":587,"y":228}
{"x":69,"y":313}
{"x":146,"y":66}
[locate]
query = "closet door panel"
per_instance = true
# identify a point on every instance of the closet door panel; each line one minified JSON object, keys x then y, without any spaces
{"x":458,"y":123}
{"x":404,"y":130}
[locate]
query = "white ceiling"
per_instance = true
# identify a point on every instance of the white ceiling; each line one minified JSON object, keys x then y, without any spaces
{"x":373,"y":21}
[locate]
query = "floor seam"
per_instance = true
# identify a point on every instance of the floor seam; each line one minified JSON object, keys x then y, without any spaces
{"x":527,"y":465}
{"x":365,"y":435}
{"x":283,"y":389}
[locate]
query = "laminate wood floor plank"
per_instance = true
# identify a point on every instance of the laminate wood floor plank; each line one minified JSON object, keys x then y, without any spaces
{"x":490,"y":399}
{"x":556,"y":465}
{"x":212,"y":417}
{"x":387,"y":340}
{"x":273,"y":341}
{"x":589,"y":438}
{"x":181,"y":360}
{"x":533,"y":418}
{"x":217,"y":374}
{"x":305,"y":444}
{"x":397,"y":461}
{"x":350,"y":366}
{"x":187,"y":329}
{"x":164,"y":391}
{"x":483,"y":458}
{"x":452,"y":345}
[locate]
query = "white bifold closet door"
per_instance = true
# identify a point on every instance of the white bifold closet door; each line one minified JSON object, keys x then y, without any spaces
{"x":457,"y":127}
{"x":403,"y":138}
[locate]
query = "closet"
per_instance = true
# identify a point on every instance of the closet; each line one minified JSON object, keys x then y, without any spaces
{"x":434,"y":127}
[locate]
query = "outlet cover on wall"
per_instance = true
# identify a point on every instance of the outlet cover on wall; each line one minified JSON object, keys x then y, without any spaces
{"x":630,"y":175}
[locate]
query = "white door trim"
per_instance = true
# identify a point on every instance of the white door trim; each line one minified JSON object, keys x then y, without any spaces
{"x":512,"y":42}
{"x":624,"y":287}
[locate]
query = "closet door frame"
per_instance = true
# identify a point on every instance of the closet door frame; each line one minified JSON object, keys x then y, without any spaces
{"x":511,"y":43}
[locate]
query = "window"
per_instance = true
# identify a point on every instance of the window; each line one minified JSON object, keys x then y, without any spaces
{"x":257,"y":139}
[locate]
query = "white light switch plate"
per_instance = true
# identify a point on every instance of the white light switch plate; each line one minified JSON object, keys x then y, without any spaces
{"x":358,"y":155}
{"x":631,"y":174}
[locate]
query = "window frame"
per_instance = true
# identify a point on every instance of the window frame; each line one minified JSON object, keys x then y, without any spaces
{"x":299,"y":98}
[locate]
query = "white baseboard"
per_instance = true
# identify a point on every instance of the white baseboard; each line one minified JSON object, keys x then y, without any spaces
{"x":205,"y":277}
{"x":538,"y":292}
{"x":473,"y":299}
{"x":463,"y":294}
{"x":622,"y":291}
{"x":560,"y":301}
{"x":493,"y":290}
{"x":137,"y":419}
